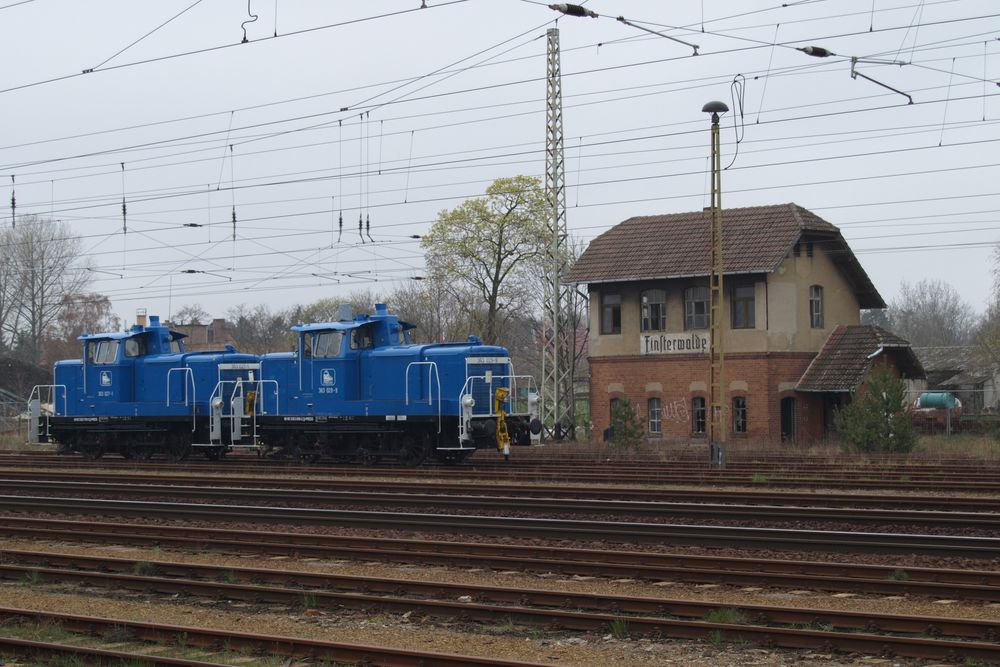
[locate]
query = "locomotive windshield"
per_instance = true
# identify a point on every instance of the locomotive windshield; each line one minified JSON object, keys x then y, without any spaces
{"x":102,"y":351}
{"x":327,"y":344}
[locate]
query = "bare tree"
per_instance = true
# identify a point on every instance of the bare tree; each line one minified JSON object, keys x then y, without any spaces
{"x":45,"y":262}
{"x":930,"y":313}
{"x":191,"y":313}
{"x":987,"y":336}
{"x":257,"y":329}
{"x":80,"y":314}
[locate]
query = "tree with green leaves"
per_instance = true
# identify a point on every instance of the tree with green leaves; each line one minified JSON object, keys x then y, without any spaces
{"x":626,"y":427}
{"x":488,"y":245}
{"x":876,"y":421}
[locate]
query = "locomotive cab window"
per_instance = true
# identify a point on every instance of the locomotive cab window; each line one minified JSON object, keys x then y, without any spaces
{"x":361,"y":338}
{"x":102,"y":351}
{"x":135,"y":347}
{"x":327,"y":344}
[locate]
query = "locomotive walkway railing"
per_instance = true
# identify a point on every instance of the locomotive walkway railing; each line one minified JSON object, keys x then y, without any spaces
{"x":193,"y":402}
{"x":432,"y":375}
{"x":35,"y":409}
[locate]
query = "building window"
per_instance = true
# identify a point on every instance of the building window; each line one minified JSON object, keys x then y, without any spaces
{"x":611,"y":313}
{"x":743,"y":306}
{"x":816,"y":307}
{"x":698,"y":415}
{"x":809,"y":248}
{"x":655,"y":412}
{"x":211,"y":334}
{"x":739,"y":414}
{"x":696,"y":308}
{"x":654,"y":310}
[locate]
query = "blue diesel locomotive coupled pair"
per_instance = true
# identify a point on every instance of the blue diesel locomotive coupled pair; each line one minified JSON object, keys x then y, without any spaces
{"x":353,"y":390}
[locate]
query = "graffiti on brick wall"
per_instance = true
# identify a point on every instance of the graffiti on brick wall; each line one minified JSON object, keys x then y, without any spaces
{"x":676,"y":411}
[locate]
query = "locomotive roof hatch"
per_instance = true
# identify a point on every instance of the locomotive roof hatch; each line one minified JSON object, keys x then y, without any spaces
{"x":381,"y":316}
{"x":160,"y":332}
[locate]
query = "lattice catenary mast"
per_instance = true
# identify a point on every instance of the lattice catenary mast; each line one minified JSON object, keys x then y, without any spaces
{"x":558,"y":342}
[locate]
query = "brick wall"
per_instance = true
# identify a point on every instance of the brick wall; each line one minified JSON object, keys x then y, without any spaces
{"x":763,"y":379}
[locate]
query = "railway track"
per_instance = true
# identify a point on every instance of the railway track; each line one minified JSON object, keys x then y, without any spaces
{"x":968,"y":584}
{"x":627,"y":532}
{"x":159,"y":634}
{"x":904,"y":478}
{"x":549,"y":491}
{"x":903,"y":635}
{"x":537,"y":502}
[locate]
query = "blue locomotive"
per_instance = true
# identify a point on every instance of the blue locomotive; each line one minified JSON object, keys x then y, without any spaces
{"x":356,"y":389}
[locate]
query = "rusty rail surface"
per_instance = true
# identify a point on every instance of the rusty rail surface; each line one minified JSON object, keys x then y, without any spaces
{"x":337,"y":590}
{"x":529,"y":504}
{"x":202,"y":478}
{"x":28,"y":649}
{"x":981,"y":585}
{"x":212,"y":639}
{"x":628,"y":532}
{"x":970,"y":638}
{"x":969,"y":477}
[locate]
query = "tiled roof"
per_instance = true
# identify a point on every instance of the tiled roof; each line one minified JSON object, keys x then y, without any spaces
{"x":754,"y":240}
{"x":845,"y":358}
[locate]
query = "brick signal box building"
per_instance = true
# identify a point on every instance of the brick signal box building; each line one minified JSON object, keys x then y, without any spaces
{"x":794,"y":346}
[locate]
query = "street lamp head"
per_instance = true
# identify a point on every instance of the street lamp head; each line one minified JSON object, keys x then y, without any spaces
{"x":715,"y":108}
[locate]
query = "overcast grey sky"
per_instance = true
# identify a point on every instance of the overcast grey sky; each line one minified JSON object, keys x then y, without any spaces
{"x":392,"y":112}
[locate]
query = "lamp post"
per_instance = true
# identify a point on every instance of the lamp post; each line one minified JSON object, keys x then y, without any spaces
{"x":716,"y":386}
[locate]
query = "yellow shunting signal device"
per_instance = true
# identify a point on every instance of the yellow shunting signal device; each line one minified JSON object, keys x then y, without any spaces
{"x":503,"y":436}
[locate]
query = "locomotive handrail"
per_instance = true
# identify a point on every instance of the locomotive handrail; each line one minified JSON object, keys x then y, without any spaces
{"x":188,"y":374}
{"x":37,"y":390}
{"x":260,"y":395}
{"x":431,"y":367}
{"x":513,"y":400}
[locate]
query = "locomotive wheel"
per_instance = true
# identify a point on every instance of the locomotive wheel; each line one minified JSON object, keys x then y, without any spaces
{"x":452,"y":458}
{"x":177,"y":448}
{"x":413,"y":450}
{"x":92,"y":452}
{"x":215,"y":454}
{"x":366,"y":457}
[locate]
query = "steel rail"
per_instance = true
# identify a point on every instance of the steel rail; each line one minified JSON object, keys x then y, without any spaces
{"x":628,"y":532}
{"x":527,"y":504}
{"x":551,"y":611}
{"x":27,"y":649}
{"x":562,"y":491}
{"x":261,"y":644}
{"x":981,"y":470}
{"x":853,"y":466}
{"x":244,"y":583}
{"x":966,"y":482}
{"x":981,"y":585}
{"x":885,"y":579}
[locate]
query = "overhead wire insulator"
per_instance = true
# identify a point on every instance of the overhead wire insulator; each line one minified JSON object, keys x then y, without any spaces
{"x":816,"y":51}
{"x":573,"y":10}
{"x":368,"y":228}
{"x":361,"y":223}
{"x":13,"y":204}
{"x":340,"y":226}
{"x":124,"y":208}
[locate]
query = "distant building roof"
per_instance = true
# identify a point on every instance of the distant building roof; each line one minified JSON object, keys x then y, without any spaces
{"x":846,"y":357}
{"x":677,"y":245}
{"x":954,"y":364}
